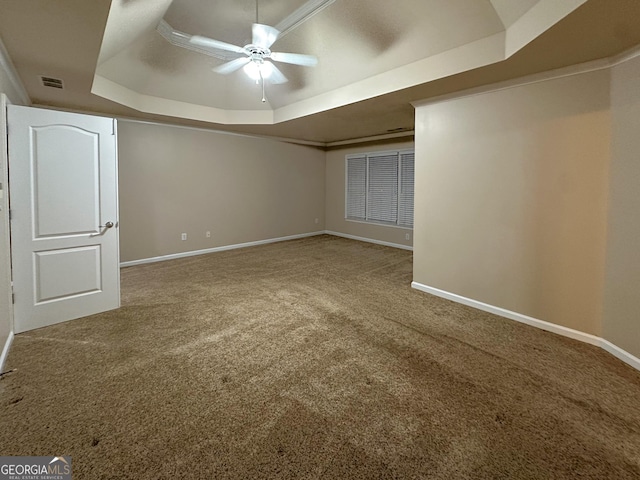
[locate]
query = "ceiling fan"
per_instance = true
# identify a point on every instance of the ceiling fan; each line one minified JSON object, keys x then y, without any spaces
{"x":256,"y":57}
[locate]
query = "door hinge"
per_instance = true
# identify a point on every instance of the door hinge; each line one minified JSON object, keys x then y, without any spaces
{"x":13,"y":298}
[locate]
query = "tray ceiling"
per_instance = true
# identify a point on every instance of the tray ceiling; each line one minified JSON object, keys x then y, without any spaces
{"x":365,"y":49}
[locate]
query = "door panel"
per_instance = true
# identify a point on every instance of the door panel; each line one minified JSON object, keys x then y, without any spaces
{"x":63,"y":173}
{"x":62,"y":274}
{"x":77,"y":150}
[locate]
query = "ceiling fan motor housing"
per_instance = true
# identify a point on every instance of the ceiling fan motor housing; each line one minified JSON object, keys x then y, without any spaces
{"x":257,"y":54}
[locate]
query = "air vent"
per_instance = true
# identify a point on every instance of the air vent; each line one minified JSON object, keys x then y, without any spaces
{"x":51,"y":82}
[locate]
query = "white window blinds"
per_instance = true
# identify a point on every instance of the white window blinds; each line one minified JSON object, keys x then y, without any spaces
{"x":356,"y":187}
{"x":382,"y":194}
{"x":405,"y":198}
{"x":379,"y":188}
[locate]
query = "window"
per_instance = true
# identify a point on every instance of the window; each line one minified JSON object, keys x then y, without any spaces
{"x":379,"y":188}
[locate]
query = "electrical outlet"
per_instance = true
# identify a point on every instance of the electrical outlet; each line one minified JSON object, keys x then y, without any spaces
{"x":317,"y":221}
{"x":406,"y":236}
{"x":208,"y":234}
{"x":184,"y":236}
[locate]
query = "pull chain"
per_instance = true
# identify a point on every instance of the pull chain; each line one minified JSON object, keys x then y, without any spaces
{"x":264,"y":99}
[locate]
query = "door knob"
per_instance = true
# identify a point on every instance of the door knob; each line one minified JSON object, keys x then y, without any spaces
{"x":107,"y":225}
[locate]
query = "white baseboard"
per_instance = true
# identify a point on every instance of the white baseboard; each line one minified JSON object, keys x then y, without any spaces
{"x":619,"y":353}
{"x":5,"y":350}
{"x":368,"y":240}
{"x":173,"y":256}
{"x":518,"y":317}
{"x":534,"y":322}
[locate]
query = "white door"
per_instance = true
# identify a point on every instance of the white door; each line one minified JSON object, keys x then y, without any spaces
{"x":64,"y":216}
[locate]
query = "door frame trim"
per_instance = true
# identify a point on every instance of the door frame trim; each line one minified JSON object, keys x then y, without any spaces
{"x":5,"y":252}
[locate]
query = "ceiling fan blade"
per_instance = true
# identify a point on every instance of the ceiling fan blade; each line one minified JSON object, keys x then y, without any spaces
{"x":273,"y":73}
{"x":232,"y":66}
{"x":264,"y":35}
{"x":211,"y":43}
{"x":302,"y":14}
{"x":295,"y":58}
{"x":181,"y":39}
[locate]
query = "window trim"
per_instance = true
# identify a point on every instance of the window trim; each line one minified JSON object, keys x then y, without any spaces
{"x":367,"y":155}
{"x":379,"y":224}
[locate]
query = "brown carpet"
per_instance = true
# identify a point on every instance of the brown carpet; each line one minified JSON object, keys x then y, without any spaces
{"x":313,"y":359}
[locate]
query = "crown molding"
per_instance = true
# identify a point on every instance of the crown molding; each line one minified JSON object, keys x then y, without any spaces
{"x":373,"y":138}
{"x":625,"y":56}
{"x":578,"y":69}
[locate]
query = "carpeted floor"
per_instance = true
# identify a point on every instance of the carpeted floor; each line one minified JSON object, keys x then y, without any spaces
{"x":313,"y":359}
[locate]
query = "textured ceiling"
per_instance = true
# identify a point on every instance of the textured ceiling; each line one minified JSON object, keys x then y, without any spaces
{"x":347,"y":96}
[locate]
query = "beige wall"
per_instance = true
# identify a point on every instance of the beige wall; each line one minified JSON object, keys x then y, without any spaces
{"x":241,"y":189}
{"x":511,"y":193}
{"x":621,"y":319}
{"x":335,"y":199}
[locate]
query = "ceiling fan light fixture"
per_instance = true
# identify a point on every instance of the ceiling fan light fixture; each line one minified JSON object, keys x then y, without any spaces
{"x":257,"y":71}
{"x":252,"y":70}
{"x":267,"y":69}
